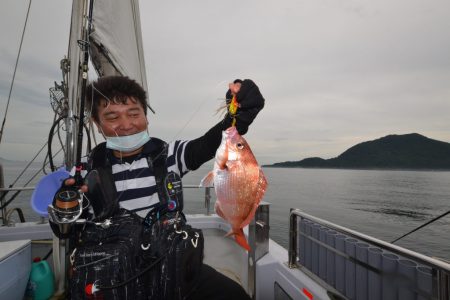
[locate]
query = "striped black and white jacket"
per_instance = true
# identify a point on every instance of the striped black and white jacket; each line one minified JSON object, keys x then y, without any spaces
{"x":134,"y":179}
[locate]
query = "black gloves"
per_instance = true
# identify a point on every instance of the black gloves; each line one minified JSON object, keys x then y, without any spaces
{"x":202,"y":149}
{"x":250,"y":103}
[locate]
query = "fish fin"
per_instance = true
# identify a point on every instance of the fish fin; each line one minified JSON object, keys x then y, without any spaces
{"x":208,"y":180}
{"x":239,"y":237}
{"x":262,"y":186}
{"x":262,"y":183}
{"x":218,"y":210}
{"x":250,"y":216}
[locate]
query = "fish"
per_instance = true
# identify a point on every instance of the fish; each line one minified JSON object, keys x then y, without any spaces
{"x":239,"y":183}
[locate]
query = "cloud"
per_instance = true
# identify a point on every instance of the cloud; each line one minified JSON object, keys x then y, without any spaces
{"x":334,"y":73}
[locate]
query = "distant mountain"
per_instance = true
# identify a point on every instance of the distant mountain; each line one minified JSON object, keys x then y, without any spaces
{"x":408,"y":151}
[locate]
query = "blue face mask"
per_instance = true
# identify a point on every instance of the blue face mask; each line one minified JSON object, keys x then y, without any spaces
{"x":127,"y":143}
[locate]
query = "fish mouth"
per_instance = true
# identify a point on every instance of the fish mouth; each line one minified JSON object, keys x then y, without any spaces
{"x":231,"y":131}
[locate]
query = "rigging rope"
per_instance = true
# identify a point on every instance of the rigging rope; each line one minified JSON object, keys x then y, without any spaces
{"x":27,"y":166}
{"x":14,"y":74}
{"x":18,"y":192}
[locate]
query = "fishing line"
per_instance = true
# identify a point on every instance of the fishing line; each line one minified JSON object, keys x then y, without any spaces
{"x":14,"y":74}
{"x":186,"y":123}
{"x":195,"y":112}
{"x":189,"y":120}
{"x":108,"y":103}
{"x":176,"y":135}
{"x":98,"y":91}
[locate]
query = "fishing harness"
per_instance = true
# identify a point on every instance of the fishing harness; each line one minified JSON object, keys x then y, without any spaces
{"x":168,"y":209}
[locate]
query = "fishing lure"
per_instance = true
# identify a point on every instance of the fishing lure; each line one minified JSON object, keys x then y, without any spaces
{"x":232,"y":109}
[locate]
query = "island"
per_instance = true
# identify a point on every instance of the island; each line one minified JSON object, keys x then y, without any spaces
{"x":407,"y":151}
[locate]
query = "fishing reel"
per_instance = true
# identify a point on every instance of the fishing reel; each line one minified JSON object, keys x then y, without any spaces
{"x":66,"y":209}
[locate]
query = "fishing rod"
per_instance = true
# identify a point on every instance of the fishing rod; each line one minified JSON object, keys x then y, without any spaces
{"x":421,"y":226}
{"x":84,"y":69}
{"x":67,"y":204}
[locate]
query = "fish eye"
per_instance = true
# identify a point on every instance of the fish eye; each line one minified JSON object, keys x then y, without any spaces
{"x":240,"y":146}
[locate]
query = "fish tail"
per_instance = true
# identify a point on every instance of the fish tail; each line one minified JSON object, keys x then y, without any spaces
{"x":240,"y":239}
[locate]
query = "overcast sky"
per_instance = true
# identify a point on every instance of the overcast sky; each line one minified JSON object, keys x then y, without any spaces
{"x":334,"y":73}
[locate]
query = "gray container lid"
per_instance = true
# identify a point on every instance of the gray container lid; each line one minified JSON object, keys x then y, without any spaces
{"x":10,"y":248}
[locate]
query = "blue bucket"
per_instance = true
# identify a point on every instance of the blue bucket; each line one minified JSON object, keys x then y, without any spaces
{"x":45,"y":191}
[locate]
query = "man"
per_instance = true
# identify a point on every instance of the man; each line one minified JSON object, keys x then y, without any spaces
{"x":119,"y":110}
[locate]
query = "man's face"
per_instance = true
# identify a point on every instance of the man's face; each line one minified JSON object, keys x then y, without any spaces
{"x":117,"y":119}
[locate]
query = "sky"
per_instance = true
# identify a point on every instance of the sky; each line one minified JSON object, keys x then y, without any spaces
{"x":334,"y":73}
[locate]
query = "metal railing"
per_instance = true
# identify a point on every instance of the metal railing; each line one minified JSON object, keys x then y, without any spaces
{"x":207,"y":196}
{"x":440,"y":270}
{"x":258,"y":239}
{"x":5,"y":212}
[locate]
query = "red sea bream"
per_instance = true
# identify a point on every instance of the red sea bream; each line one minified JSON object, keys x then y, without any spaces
{"x":238,"y":181}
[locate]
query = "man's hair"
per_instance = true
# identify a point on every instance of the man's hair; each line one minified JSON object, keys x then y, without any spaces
{"x":116,"y":89}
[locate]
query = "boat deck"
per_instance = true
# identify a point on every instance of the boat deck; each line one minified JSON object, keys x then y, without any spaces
{"x":313,"y":267}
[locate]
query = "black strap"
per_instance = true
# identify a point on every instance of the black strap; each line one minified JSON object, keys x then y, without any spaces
{"x":157,"y":161}
{"x":156,"y":157}
{"x":97,"y":157}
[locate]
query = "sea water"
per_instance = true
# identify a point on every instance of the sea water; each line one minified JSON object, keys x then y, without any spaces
{"x":383,"y":204}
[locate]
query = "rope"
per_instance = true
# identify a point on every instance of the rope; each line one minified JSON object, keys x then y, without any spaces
{"x":14,"y":74}
{"x":18,"y":192}
{"x":29,"y":163}
{"x":26,"y":167}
